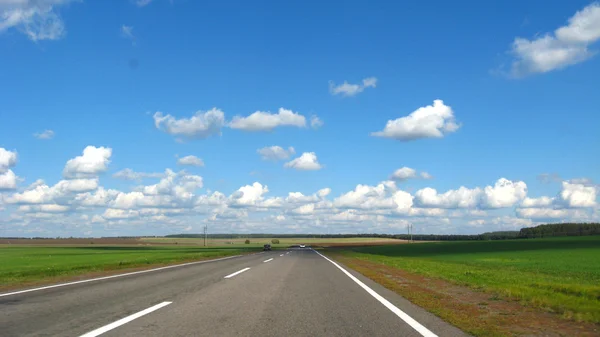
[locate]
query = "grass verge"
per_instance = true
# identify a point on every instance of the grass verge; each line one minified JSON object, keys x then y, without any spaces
{"x":26,"y":265}
{"x":559,"y":277}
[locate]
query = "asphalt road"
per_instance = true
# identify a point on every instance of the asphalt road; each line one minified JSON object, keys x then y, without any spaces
{"x":296,"y":292}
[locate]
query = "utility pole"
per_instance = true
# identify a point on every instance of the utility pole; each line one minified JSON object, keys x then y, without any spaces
{"x":205,"y":233}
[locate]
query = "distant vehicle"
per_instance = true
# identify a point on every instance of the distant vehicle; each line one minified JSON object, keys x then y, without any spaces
{"x":267,"y":247}
{"x":302,"y":246}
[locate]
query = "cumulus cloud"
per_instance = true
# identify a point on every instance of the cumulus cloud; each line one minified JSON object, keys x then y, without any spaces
{"x":405,"y":173}
{"x":577,"y":195}
{"x":8,"y":159}
{"x":266,"y":121}
{"x":190,"y":161}
{"x":45,"y":208}
{"x":432,"y":121}
{"x":504,"y":193}
{"x":315,"y":122}
{"x":112,"y":214}
{"x":368,"y":197}
{"x":94,"y":161}
{"x":44,"y":194}
{"x":571,"y":195}
{"x":249,"y":195}
{"x":567,"y":45}
{"x":306,"y":162}
{"x":276,"y":152}
{"x":38,"y":19}
{"x":347,"y":89}
{"x":46,"y":134}
{"x":541,"y":213}
{"x":200,"y":126}
{"x":129,"y":174}
{"x":8,"y":180}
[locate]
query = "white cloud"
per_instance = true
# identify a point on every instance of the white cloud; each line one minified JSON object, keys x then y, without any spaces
{"x":566,"y":46}
{"x":112,"y":214}
{"x":200,"y":126}
{"x":38,"y":19}
{"x":99,"y":198}
{"x":570,"y":196}
{"x":537,"y":202}
{"x":276,"y":152}
{"x":315,"y":122}
{"x":249,"y":195}
{"x":142,"y":3}
{"x":542,"y":213}
{"x":129,"y":174}
{"x":405,"y":173}
{"x":460,"y":198}
{"x":347,"y":89}
{"x":322,"y":193}
{"x":504,"y":193}
{"x":304,"y":209}
{"x":306,"y":162}
{"x":46,"y":134}
{"x":94,"y":161}
{"x":432,"y":121}
{"x":8,"y":180}
{"x":190,"y":161}
{"x":425,"y":175}
{"x":45,"y":208}
{"x":8,"y":159}
{"x":368,"y":197}
{"x":577,"y":195}
{"x":266,"y":121}
{"x":180,"y":185}
{"x":44,"y":194}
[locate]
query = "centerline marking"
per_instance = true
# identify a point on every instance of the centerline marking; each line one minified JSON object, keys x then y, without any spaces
{"x":237,"y":272}
{"x":403,"y":316}
{"x":271,"y":259}
{"x":281,"y":255}
{"x":125,"y":320}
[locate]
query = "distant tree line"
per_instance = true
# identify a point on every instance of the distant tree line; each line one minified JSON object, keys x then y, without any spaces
{"x":416,"y":237}
{"x":561,"y":229}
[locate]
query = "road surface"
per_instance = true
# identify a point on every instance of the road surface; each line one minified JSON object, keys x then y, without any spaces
{"x":277,"y":293}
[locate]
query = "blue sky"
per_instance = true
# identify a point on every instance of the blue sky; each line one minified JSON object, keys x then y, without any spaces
{"x":500,"y":91}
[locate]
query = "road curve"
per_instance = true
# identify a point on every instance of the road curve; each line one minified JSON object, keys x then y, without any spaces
{"x":299,"y":293}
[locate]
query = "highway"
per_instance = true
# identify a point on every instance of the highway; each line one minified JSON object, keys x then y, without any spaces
{"x":276,"y":293}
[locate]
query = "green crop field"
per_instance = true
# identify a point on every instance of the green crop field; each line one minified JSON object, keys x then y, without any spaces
{"x":22,"y":265}
{"x":560,"y":275}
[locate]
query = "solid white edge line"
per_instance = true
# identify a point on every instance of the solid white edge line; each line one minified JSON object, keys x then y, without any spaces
{"x":125,"y":320}
{"x":403,"y":316}
{"x":237,"y":272}
{"x":271,"y":259}
{"x":115,"y":276}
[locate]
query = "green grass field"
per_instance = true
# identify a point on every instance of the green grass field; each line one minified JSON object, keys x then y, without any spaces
{"x":23,"y":265}
{"x":560,"y":275}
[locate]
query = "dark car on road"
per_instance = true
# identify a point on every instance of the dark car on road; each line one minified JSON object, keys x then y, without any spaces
{"x":267,"y":247}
